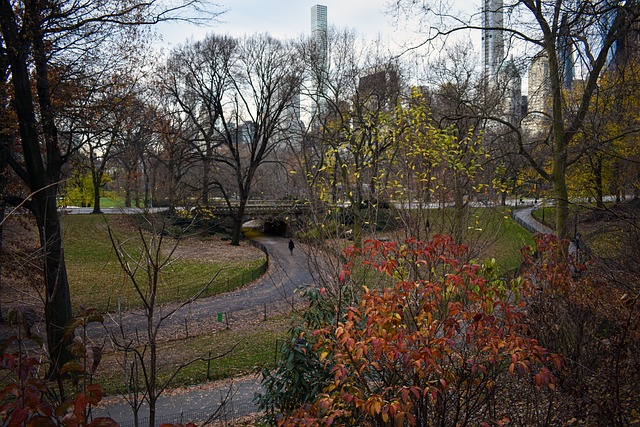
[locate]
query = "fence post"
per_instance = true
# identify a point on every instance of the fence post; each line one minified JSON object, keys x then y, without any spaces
{"x":209,"y":366}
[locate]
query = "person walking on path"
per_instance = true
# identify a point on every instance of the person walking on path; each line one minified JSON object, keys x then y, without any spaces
{"x":291,"y":246}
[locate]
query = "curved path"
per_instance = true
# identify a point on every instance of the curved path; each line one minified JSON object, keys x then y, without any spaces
{"x":286,"y":274}
{"x":525,"y":218}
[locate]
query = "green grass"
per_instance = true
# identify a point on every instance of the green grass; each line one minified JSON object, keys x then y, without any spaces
{"x":242,"y":351}
{"x":545,"y":216}
{"x":508,"y":251}
{"x":111,"y":202}
{"x":505,"y":238}
{"x":489,"y":233}
{"x":96,"y":278}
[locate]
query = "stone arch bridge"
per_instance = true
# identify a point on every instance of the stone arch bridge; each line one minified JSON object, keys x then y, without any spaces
{"x":276,"y":216}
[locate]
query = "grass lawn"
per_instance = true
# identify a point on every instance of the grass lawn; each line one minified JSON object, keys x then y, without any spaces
{"x":604,"y":237}
{"x":96,"y":278}
{"x":97,"y":281}
{"x":490,"y":232}
{"x":505,"y":237}
{"x":111,"y":202}
{"x":244,"y":351}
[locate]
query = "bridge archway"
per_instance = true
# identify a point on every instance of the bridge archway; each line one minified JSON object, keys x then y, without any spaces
{"x":277,"y":227}
{"x":270,"y":226}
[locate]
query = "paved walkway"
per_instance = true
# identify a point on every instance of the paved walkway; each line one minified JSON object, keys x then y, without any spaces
{"x":223,"y":400}
{"x":524,"y":218}
{"x":286,"y":273}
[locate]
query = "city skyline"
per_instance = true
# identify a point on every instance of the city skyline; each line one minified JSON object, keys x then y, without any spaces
{"x":288,"y":20}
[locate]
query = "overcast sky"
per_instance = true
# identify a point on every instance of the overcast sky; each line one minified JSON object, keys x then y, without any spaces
{"x":291,"y":18}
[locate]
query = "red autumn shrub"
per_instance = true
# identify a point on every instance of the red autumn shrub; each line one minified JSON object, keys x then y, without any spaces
{"x":430,"y":349}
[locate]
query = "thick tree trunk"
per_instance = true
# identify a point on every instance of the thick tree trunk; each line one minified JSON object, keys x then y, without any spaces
{"x":561,"y":195}
{"x":2,"y":213}
{"x":127,"y":195}
{"x":42,"y":180}
{"x":459,"y":217}
{"x":97,"y":179}
{"x":236,"y":234}
{"x":58,"y":298}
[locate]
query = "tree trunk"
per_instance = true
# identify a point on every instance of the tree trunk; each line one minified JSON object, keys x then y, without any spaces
{"x":206,"y":171}
{"x":356,"y":208}
{"x":97,"y":179}
{"x":136,"y":192}
{"x":457,"y":231}
{"x":147,"y":185}
{"x":2,"y":213}
{"x":127,"y":194}
{"x":42,"y":180}
{"x":97,"y":172}
{"x":58,"y":298}
{"x":597,"y":171}
{"x":561,"y":196}
{"x":153,"y":368}
{"x":236,"y":234}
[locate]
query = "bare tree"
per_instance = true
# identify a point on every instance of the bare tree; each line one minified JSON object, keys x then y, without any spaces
{"x":235,"y":94}
{"x":196,"y":80}
{"x":172,"y":158}
{"x":568,"y":35}
{"x":101,"y":122}
{"x":133,"y":145}
{"x":141,"y":355}
{"x":38,"y":37}
{"x":349,"y":142}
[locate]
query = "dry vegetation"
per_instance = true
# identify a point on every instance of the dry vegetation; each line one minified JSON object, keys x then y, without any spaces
{"x":91,"y":264}
{"x":21,"y":268}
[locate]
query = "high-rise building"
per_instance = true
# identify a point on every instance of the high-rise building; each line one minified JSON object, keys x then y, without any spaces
{"x":380,"y":84}
{"x":321,"y":54}
{"x":565,"y":55}
{"x":627,"y":47}
{"x":493,"y":37}
{"x":502,"y":76}
{"x":510,"y":87}
{"x":539,"y":93}
{"x":319,"y":31}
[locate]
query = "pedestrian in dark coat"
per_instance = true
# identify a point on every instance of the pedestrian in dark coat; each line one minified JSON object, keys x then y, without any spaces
{"x":291,"y":246}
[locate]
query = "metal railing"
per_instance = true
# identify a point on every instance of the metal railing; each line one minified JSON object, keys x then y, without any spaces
{"x":226,"y":414}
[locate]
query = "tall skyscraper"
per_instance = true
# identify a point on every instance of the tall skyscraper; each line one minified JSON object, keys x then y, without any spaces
{"x":319,"y":31}
{"x":321,"y":54}
{"x":493,"y":37}
{"x":565,"y":54}
{"x":539,"y":93}
{"x":502,"y":76}
{"x":510,"y":83}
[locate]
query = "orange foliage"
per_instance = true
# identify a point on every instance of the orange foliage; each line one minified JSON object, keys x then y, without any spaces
{"x":431,"y":348}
